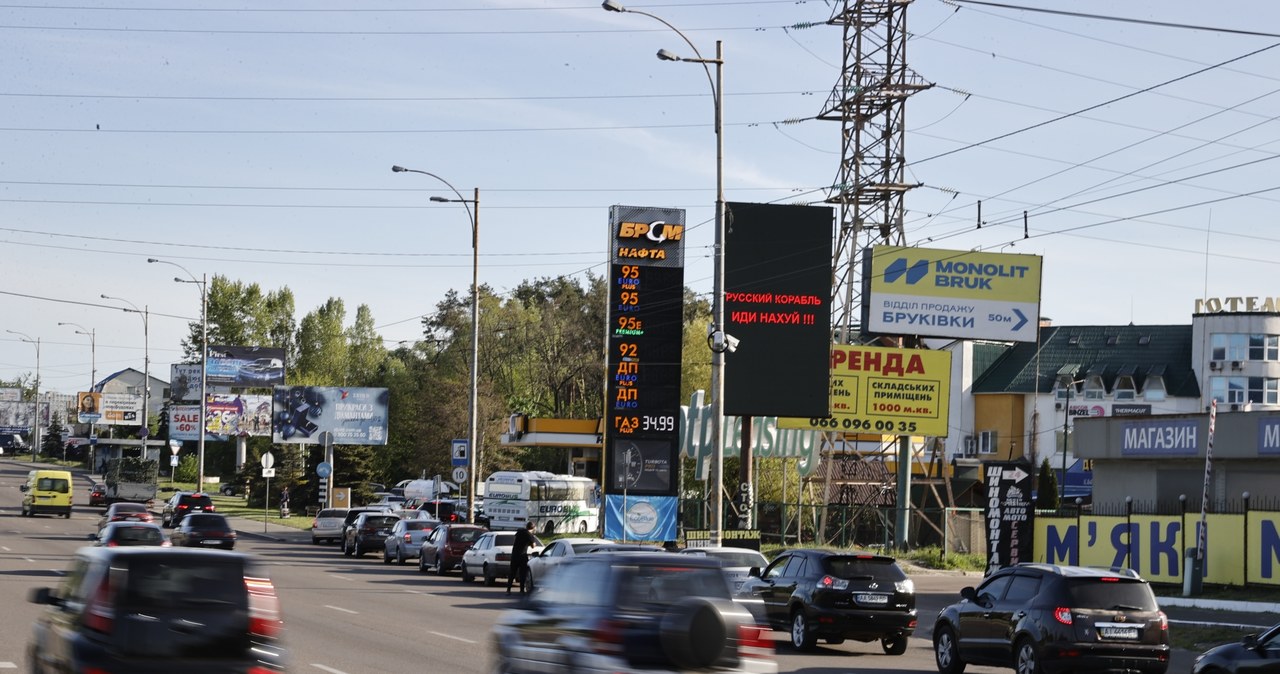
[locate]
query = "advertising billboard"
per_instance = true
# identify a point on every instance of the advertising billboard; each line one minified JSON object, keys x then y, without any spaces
{"x":229,"y":415}
{"x":951,"y":293}
{"x":245,"y":366}
{"x":16,"y":417}
{"x":353,"y":416}
{"x":10,"y":395}
{"x":777,"y":307}
{"x":184,"y":382}
{"x":885,"y":390}
{"x":644,"y":342}
{"x":121,"y":409}
{"x":88,"y":407}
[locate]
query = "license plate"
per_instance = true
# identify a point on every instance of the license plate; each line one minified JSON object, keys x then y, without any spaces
{"x":877,"y":599}
{"x":1119,"y":632}
{"x":211,"y":542}
{"x":132,"y":519}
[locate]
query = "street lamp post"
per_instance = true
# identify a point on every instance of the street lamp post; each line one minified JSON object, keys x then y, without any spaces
{"x":93,"y":373}
{"x":473,"y":441}
{"x":35,"y":424}
{"x":203,"y":283}
{"x":717,"y":332}
{"x":144,"y":431}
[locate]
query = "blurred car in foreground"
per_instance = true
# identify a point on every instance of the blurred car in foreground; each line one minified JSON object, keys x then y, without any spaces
{"x":125,"y":512}
{"x":736,"y":562}
{"x":1049,"y":619}
{"x":405,"y":540}
{"x":632,"y":612}
{"x":443,"y":548}
{"x":130,"y":533}
{"x":490,"y":557}
{"x":145,"y":609}
{"x":557,"y":552}
{"x":98,"y":495}
{"x":327,"y":526}
{"x":831,"y":595}
{"x":1253,"y":654}
{"x":204,"y":530}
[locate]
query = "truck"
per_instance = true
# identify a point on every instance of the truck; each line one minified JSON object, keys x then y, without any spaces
{"x":131,"y":479}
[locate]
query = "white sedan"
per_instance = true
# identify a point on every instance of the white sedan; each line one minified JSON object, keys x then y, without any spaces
{"x":559,"y":551}
{"x":490,"y":557}
{"x":736,"y":562}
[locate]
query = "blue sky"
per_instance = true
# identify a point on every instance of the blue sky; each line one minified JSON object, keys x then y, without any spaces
{"x":257,"y":143}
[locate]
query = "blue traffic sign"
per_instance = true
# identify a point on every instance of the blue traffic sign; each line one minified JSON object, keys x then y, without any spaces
{"x":324,"y":469}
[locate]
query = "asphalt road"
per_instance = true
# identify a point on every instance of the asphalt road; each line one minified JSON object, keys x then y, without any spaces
{"x":353,"y":615}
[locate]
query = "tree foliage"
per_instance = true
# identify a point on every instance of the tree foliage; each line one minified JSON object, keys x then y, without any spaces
{"x":1046,"y":487}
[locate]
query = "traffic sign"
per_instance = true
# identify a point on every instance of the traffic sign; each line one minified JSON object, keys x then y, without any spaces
{"x":268,"y":460}
{"x":268,"y":472}
{"x":460,"y":452}
{"x":325,"y":469}
{"x":460,"y":474}
{"x":173,"y":460}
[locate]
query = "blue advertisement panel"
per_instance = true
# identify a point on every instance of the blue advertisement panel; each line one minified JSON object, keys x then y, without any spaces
{"x":353,"y":416}
{"x":640,"y":518}
{"x":245,"y":366}
{"x":1160,"y":437}
{"x":1268,"y":436}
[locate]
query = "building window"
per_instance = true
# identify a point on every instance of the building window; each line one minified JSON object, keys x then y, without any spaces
{"x":1154,"y":389}
{"x":1263,"y":390}
{"x":1125,"y":388}
{"x":1229,"y":346}
{"x":1230,"y":390}
{"x":1094,"y":389}
{"x":1264,"y":347}
{"x":1065,"y":388}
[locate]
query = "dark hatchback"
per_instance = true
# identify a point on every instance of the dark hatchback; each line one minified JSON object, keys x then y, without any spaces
{"x":184,"y":503}
{"x":823,"y":594}
{"x":148,"y":609}
{"x":1046,"y":619}
{"x":632,"y":612}
{"x":368,"y":532}
{"x":1254,"y":654}
{"x":204,"y":530}
{"x":130,"y":533}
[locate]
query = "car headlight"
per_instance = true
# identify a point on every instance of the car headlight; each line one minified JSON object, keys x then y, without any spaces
{"x":905,"y":586}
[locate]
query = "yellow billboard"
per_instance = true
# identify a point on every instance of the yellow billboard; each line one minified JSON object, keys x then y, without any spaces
{"x":952,"y":293}
{"x":885,"y":390}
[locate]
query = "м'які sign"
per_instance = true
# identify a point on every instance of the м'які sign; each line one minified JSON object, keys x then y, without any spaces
{"x":885,"y":390}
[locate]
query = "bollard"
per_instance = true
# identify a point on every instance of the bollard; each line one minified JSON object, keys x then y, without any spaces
{"x":1192,"y":573}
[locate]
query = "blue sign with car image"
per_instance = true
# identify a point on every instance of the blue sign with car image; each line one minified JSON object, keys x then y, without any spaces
{"x":245,"y":366}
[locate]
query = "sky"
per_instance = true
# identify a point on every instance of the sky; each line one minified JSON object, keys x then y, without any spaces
{"x":255,"y":141}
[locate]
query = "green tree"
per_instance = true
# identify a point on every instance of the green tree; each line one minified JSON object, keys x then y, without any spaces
{"x":323,"y":353}
{"x":242,"y":314}
{"x":366,"y":353}
{"x":53,"y":442}
{"x":1046,"y":488}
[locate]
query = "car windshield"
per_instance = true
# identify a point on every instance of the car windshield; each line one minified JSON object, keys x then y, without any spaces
{"x":332,"y":512}
{"x":208,"y":522}
{"x":669,"y":583}
{"x":504,"y":538}
{"x":57,"y":484}
{"x":179,"y":580}
{"x":849,"y":567}
{"x":137,"y":536}
{"x":585,"y":547}
{"x":130,"y":508}
{"x":202,"y":500}
{"x":419,"y":525}
{"x":746,"y":558}
{"x":1111,"y":595}
{"x":381,"y":521}
{"x":464,"y":535}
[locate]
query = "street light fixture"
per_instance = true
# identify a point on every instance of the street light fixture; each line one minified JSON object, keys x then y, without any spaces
{"x":203,"y":283}
{"x":144,"y":312}
{"x":716,"y":332}
{"x":93,"y":350}
{"x":473,"y":441}
{"x":35,"y":424}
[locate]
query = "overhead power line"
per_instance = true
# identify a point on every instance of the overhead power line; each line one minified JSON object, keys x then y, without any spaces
{"x":1120,"y":19}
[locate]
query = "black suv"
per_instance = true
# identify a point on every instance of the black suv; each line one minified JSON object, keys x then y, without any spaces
{"x":368,"y":532}
{"x":152,"y":609}
{"x":1044,"y":619}
{"x":834,"y":596}
{"x":629,"y":611}
{"x":182,"y":504}
{"x":350,"y":519}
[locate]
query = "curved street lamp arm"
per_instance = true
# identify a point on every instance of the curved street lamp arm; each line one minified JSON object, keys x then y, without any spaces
{"x":466,"y":203}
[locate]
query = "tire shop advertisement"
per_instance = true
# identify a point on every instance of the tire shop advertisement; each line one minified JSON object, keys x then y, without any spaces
{"x":354,"y":416}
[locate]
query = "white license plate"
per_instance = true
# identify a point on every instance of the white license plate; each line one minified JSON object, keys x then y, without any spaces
{"x":132,"y":519}
{"x":1119,"y":632}
{"x":211,"y":542}
{"x":877,"y":599}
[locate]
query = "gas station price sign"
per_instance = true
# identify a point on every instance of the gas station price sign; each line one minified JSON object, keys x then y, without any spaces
{"x":644,"y":338}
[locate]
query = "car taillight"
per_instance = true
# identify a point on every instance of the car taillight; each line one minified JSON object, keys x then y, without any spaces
{"x":1164,"y":622}
{"x":210,"y":508}
{"x":112,"y":544}
{"x":607,"y":639}
{"x":99,"y":614}
{"x":183,"y":507}
{"x":408,"y":538}
{"x":315,"y":524}
{"x":264,"y":608}
{"x":832,"y":583}
{"x":503,"y":557}
{"x":753,"y":642}
{"x":1062,"y":614}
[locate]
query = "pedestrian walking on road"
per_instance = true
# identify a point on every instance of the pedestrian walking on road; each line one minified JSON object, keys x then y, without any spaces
{"x":520,"y":558}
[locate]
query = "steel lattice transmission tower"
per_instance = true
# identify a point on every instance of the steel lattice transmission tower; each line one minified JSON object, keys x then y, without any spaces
{"x":869,"y":101}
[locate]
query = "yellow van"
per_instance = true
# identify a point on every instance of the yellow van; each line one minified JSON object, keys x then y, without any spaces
{"x":47,"y":491}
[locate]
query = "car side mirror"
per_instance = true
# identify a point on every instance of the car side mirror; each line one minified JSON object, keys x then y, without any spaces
{"x":753,"y":572}
{"x":93,"y":537}
{"x":43,"y":595}
{"x":969,"y":593}
{"x":22,"y":487}
{"x":1250,"y":641}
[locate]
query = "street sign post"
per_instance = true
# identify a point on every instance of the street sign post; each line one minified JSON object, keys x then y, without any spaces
{"x":459,"y":453}
{"x":268,"y":460}
{"x":460,"y":474}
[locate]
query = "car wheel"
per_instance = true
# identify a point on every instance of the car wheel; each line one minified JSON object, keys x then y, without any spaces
{"x":66,"y":515}
{"x":582,"y":527}
{"x":422,"y":563}
{"x":386,"y":556}
{"x":894,"y":645}
{"x":694,"y":633}
{"x":946,"y":651}
{"x":467,"y":576}
{"x":346,"y":548}
{"x":489,"y":579}
{"x":1026,"y":661}
{"x":801,"y":638}
{"x":400,"y":556}
{"x":440,"y":569}
{"x":315,"y":541}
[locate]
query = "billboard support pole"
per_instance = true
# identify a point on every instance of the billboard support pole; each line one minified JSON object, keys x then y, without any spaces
{"x":327,"y":439}
{"x":902,"y":526}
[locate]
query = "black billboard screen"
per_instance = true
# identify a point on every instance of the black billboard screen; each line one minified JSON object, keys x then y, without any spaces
{"x":778,"y":306}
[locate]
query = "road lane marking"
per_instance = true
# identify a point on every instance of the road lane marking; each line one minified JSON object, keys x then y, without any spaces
{"x":344,"y":610}
{"x":450,"y":636}
{"x":8,"y":665}
{"x":328,"y":669}
{"x":5,"y":548}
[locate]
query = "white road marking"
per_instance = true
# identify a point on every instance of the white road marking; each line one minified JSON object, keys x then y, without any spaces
{"x":6,"y":549}
{"x":328,"y":669}
{"x":340,"y":577}
{"x":450,"y":636}
{"x":344,"y":610}
{"x":29,"y":560}
{"x":8,"y":665}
